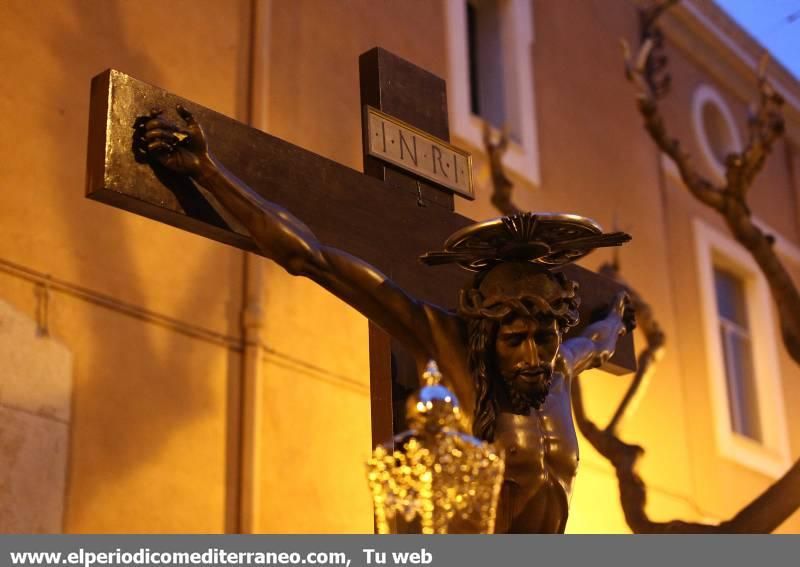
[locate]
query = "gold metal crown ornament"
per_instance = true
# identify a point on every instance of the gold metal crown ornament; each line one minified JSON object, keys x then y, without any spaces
{"x":436,"y":477}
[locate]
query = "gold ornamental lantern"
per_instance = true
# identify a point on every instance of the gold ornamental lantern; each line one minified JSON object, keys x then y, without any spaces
{"x":436,"y":477}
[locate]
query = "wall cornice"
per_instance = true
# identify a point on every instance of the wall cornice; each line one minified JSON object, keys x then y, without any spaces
{"x":705,"y":34}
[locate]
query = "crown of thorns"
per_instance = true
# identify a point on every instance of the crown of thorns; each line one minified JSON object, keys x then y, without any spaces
{"x":498,"y":306}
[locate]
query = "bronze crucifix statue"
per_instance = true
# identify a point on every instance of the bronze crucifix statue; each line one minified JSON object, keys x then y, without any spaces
{"x":503,"y":350}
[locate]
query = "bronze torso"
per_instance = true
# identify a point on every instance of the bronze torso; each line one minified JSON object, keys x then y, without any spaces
{"x":541,"y":452}
{"x":541,"y":449}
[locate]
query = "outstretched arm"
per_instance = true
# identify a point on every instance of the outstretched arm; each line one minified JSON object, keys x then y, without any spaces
{"x":597,"y":342}
{"x":286,"y":240}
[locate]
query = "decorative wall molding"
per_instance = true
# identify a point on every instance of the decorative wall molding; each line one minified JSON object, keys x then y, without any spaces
{"x":706,"y":96}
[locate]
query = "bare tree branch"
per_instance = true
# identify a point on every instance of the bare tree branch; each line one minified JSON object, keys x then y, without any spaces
{"x":641,"y":75}
{"x":648,"y":357}
{"x":763,"y":515}
{"x":646,"y":71}
{"x":766,"y":512}
{"x":765,"y":128}
{"x":501,"y":184}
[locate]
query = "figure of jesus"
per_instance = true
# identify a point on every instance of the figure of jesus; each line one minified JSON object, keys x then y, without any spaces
{"x":503,"y":351}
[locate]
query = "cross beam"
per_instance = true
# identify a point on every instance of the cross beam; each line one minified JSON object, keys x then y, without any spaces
{"x":386,"y":216}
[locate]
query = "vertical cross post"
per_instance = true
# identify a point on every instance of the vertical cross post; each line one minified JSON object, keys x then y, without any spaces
{"x":419,"y":98}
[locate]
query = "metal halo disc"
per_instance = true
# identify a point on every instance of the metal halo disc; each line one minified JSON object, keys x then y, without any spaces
{"x":529,"y":236}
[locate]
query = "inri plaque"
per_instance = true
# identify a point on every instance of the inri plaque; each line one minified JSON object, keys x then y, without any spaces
{"x":420,"y":153}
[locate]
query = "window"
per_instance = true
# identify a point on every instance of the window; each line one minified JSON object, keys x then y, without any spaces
{"x":715,"y":128}
{"x":743,"y":370}
{"x":491,"y":77}
{"x":737,"y":354}
{"x":486,"y":73}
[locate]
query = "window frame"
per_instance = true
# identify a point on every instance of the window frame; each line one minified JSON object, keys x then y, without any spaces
{"x":517,"y":38}
{"x":770,"y":457}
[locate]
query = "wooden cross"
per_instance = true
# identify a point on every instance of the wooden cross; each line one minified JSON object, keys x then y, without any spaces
{"x":387,"y":216}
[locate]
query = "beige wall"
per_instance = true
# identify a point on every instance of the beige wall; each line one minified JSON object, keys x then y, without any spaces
{"x":148,"y":435}
{"x":154,"y":439}
{"x":155,"y":428}
{"x":314,"y":102}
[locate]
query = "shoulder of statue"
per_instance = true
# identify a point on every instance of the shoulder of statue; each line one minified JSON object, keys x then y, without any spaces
{"x":564,"y":362}
{"x":445,"y":320}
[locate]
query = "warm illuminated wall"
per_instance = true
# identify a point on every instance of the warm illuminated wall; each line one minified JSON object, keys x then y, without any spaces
{"x":155,"y":428}
{"x":317,"y":434}
{"x":155,"y":432}
{"x":35,"y":417}
{"x":147,"y":439}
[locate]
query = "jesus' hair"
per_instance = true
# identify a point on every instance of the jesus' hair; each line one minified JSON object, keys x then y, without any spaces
{"x":499,"y":295}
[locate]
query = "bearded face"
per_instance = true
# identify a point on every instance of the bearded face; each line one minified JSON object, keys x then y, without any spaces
{"x":525,"y":354}
{"x":517,"y":313}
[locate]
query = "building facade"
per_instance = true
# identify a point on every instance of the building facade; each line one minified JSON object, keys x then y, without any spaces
{"x":155,"y":381}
